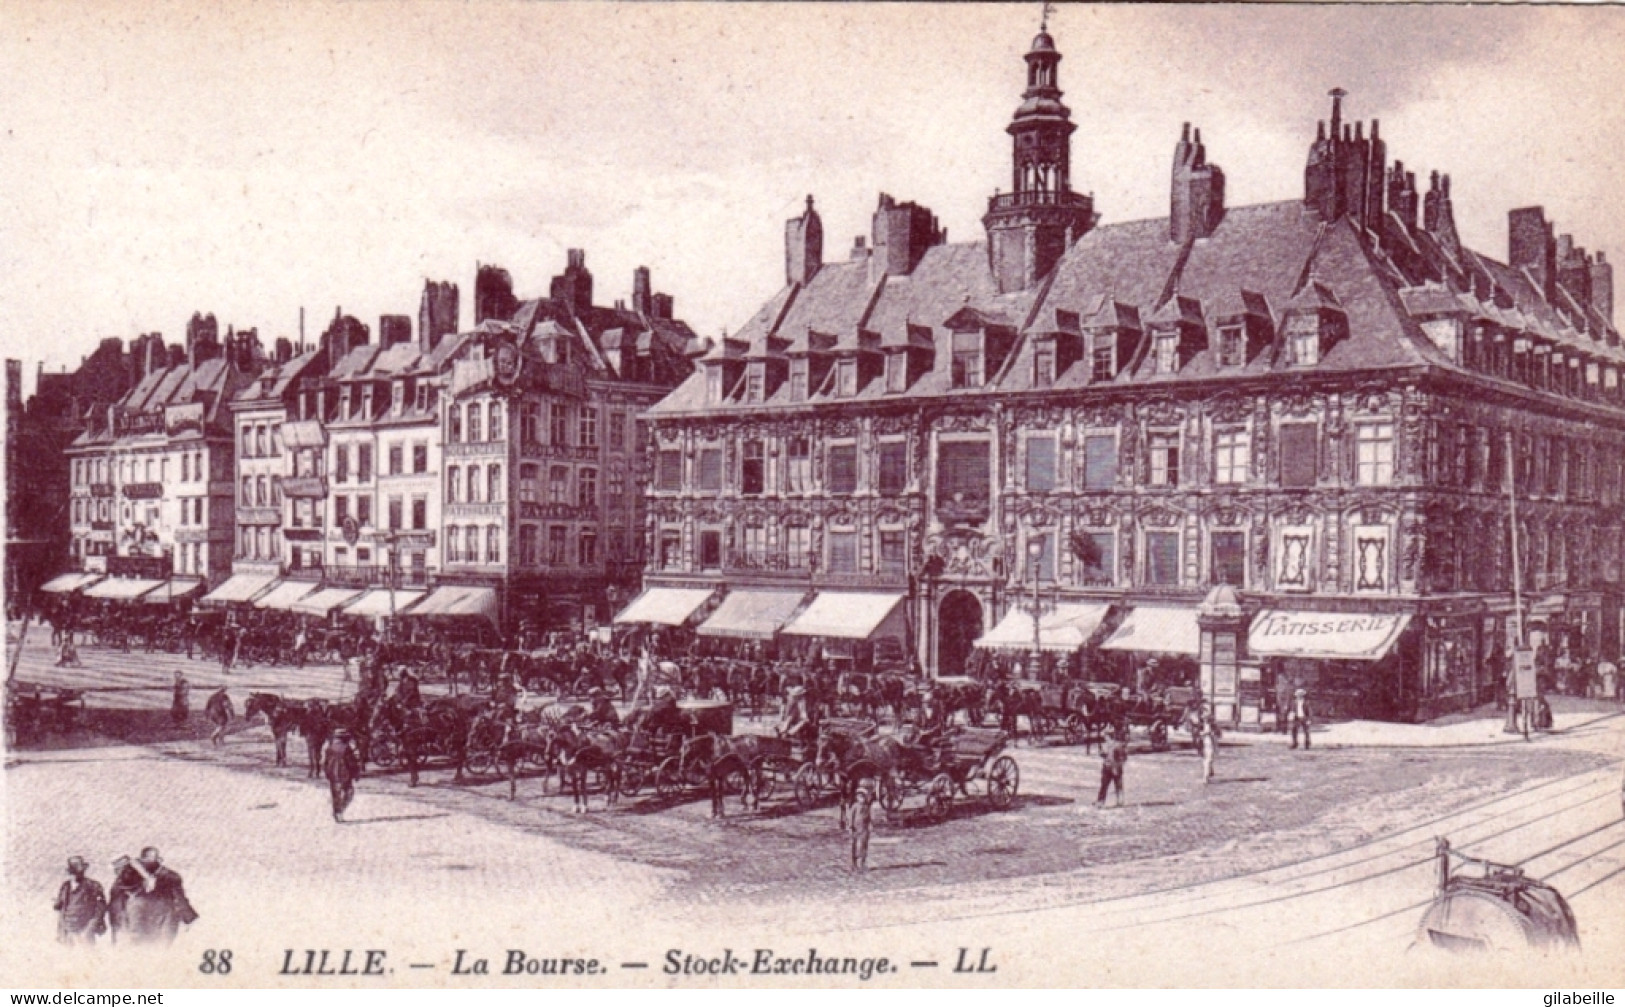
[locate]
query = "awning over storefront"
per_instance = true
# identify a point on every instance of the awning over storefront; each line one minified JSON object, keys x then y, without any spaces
{"x":325,"y":600}
{"x":1347,"y":636}
{"x":121,"y":588}
{"x":284,"y":595}
{"x":68,"y":582}
{"x":240,"y":588}
{"x":454,"y":600}
{"x":1154,"y":630}
{"x":850,"y":615}
{"x":752,"y":615}
{"x":377,"y":602}
{"x":665,"y":606}
{"x":1066,"y":629}
{"x":178,"y":589}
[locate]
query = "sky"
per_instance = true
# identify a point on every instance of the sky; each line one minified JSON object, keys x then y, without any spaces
{"x":252,"y":159}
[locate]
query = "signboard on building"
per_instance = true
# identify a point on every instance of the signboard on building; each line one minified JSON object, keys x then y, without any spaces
{"x":188,"y":416}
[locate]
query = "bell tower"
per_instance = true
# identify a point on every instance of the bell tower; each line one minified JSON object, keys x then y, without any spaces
{"x":1030,"y":227}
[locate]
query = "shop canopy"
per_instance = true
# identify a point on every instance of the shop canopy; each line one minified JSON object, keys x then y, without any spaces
{"x":240,"y":588}
{"x":178,"y":589}
{"x":121,"y":588}
{"x":665,"y":606}
{"x":752,"y":615}
{"x":849,"y":615}
{"x":325,"y":600}
{"x":1346,"y":636}
{"x":452,"y":600}
{"x":284,"y":595}
{"x":1154,"y":630}
{"x":1065,"y":629}
{"x":68,"y":582}
{"x":377,"y":602}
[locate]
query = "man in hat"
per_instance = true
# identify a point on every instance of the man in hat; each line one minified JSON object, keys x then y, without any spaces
{"x":797,"y":717}
{"x":1299,"y":715}
{"x":81,"y":906}
{"x":148,"y":900}
{"x":666,"y":717}
{"x":1113,"y":757}
{"x":341,"y":768}
{"x":1283,"y":701}
{"x":603,"y":711}
{"x":180,"y":705}
{"x":863,"y":818}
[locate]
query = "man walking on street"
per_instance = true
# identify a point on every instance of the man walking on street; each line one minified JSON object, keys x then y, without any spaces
{"x":1207,"y":741}
{"x":342,"y":768}
{"x":180,"y":706}
{"x":81,"y":906}
{"x":1300,"y":716}
{"x":1113,"y":757}
{"x":862,"y":824}
{"x":1283,"y":701}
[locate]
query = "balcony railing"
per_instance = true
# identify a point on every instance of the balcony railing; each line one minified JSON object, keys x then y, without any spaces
{"x":144,"y":491}
{"x":1012,"y":200}
{"x":751,"y":561}
{"x":374,"y":575}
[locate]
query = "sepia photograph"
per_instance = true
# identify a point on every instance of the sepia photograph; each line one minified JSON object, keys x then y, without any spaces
{"x":526,"y":495}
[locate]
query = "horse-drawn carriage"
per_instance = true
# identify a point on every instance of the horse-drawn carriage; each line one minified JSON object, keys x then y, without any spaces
{"x":949,"y":766}
{"x":35,"y":711}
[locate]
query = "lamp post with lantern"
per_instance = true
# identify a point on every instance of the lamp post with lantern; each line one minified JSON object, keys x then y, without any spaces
{"x":1037,"y":607}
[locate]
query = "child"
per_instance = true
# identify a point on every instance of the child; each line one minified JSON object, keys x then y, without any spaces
{"x":862,"y":824}
{"x":1113,"y":756}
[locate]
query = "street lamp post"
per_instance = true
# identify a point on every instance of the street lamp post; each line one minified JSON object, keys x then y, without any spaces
{"x":1037,"y":608}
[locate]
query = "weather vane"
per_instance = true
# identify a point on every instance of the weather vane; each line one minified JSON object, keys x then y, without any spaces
{"x":1043,"y":22}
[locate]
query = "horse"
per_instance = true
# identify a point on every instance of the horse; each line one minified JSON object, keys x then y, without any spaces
{"x":740,"y":756}
{"x":584,"y":751}
{"x":219,"y":711}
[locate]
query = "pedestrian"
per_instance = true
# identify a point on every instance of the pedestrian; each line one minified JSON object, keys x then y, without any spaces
{"x":180,"y":706}
{"x":1607,"y":679}
{"x":1113,"y":757}
{"x":81,"y":906}
{"x":342,"y":768}
{"x":148,"y":901}
{"x":219,"y":711}
{"x":1283,"y":701}
{"x":1207,"y":741}
{"x":1300,"y":715}
{"x":863,"y":817}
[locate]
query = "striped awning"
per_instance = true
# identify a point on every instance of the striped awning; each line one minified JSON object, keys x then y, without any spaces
{"x":377,"y":602}
{"x":1158,"y":630}
{"x":68,"y":582}
{"x":752,"y":615}
{"x":240,"y":588}
{"x":849,"y":615}
{"x":453,"y":600}
{"x":1066,"y":629}
{"x":283,"y":596}
{"x":121,"y":588}
{"x":178,"y":589}
{"x":325,"y":600}
{"x":665,"y":606}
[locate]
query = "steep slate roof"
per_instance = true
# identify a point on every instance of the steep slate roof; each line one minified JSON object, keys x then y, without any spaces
{"x":271,"y":385}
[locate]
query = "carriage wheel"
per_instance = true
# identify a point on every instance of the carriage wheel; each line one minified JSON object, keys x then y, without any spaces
{"x":807,"y":786}
{"x":940,"y":796}
{"x":385,"y":752}
{"x":1003,"y":780}
{"x":632,"y":779}
{"x":766,"y":775}
{"x":1074,"y":728}
{"x":1159,"y":736}
{"x":669,"y":778}
{"x":891,"y":793}
{"x":480,"y":762}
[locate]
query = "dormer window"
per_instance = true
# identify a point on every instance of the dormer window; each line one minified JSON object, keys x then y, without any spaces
{"x":1044,"y":365}
{"x":897,"y":372}
{"x":713,"y":383}
{"x":398,"y":397}
{"x":1305,"y":346}
{"x":847,"y":378}
{"x":798,"y":380}
{"x":1103,"y":359}
{"x":967,"y":360}
{"x":1166,"y":348}
{"x":755,"y":380}
{"x":1232,"y":345}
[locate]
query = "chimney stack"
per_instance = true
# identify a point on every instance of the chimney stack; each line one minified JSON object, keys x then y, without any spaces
{"x":393,"y":330}
{"x":803,"y":246}
{"x":437,"y":313}
{"x":1196,"y":199}
{"x":1530,"y":246}
{"x":1602,"y":287}
{"x":573,"y":287}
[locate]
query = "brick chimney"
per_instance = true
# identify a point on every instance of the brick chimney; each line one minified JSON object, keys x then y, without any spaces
{"x":573,"y":287}
{"x":1438,"y":216}
{"x":1196,"y":199}
{"x":393,"y":330}
{"x":1530,"y":245}
{"x":437,"y":313}
{"x":642,"y":295}
{"x":1602,"y":287}
{"x":803,"y":246}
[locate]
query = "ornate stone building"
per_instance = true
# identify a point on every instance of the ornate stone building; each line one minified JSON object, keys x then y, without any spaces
{"x":1324,"y":402}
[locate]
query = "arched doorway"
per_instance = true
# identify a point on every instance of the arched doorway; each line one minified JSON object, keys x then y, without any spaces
{"x":959,"y":623}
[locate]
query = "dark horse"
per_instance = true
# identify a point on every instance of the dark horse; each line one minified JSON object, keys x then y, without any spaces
{"x":582,"y":751}
{"x":321,"y":719}
{"x":736,"y":761}
{"x":283,"y":716}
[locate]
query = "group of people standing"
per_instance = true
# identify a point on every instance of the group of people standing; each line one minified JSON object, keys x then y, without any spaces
{"x":147,"y":903}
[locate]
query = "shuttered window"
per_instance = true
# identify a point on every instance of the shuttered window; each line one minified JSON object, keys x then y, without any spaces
{"x":1229,"y":558}
{"x":669,"y":473}
{"x":843,"y":468}
{"x":1298,"y":442}
{"x":843,"y":552}
{"x":893,"y":468}
{"x":1099,"y":462}
{"x":1040,"y":464}
{"x":1162,"y":557}
{"x":710,"y":473}
{"x":962,"y":471}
